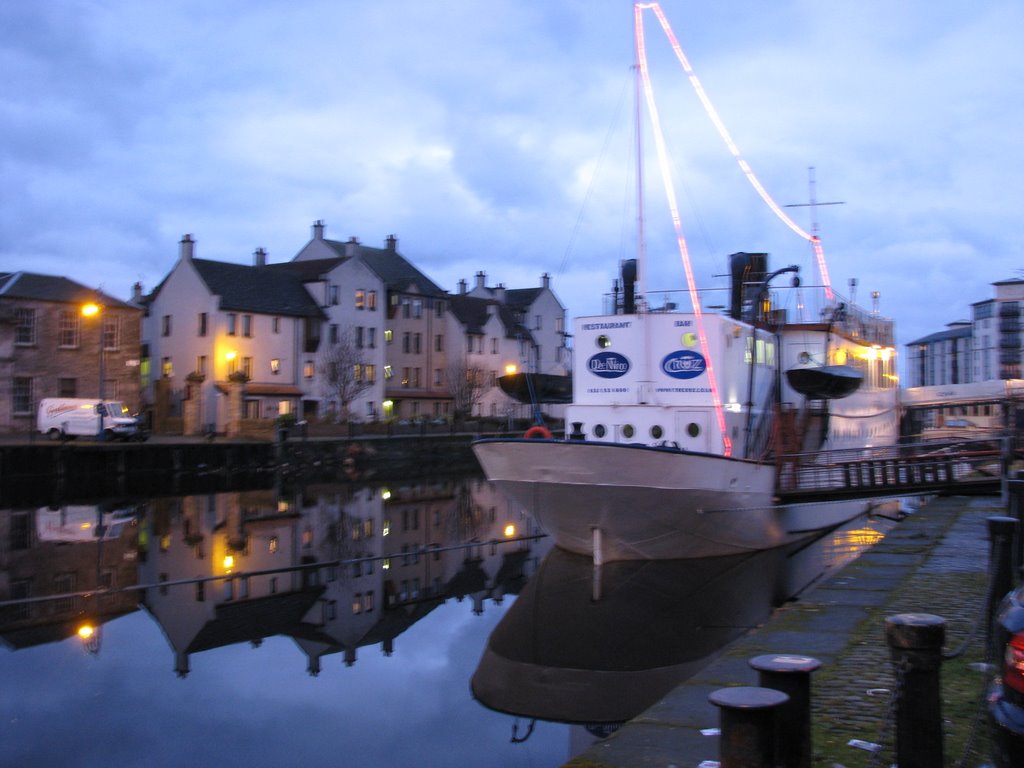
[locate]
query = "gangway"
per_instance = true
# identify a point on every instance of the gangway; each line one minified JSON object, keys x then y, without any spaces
{"x":964,"y":467}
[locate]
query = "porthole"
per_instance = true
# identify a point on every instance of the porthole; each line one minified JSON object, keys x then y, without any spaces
{"x":804,"y":358}
{"x":689,"y":339}
{"x":627,"y":430}
{"x":599,"y":430}
{"x":603,"y":342}
{"x":693,"y":429}
{"x":657,"y":432}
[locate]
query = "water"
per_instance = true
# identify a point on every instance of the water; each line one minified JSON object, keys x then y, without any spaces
{"x":340,"y":623}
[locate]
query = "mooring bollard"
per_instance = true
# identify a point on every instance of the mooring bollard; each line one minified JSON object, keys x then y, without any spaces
{"x":747,"y":719}
{"x":1002,"y":534}
{"x":915,"y":642}
{"x":791,"y":675}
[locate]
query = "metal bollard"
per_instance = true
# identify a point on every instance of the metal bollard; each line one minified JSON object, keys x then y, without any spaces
{"x":747,"y":717}
{"x":1015,"y":509}
{"x":1002,"y":534}
{"x":915,"y":642}
{"x":792,"y":676}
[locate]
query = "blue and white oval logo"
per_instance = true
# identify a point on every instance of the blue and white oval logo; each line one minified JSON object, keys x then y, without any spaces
{"x":683,"y":364}
{"x":608,"y":365}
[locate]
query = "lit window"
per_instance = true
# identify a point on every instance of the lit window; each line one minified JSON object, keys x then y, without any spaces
{"x":275,"y":365}
{"x":389,"y":335}
{"x":307,"y":369}
{"x":360,"y":298}
{"x":371,"y":301}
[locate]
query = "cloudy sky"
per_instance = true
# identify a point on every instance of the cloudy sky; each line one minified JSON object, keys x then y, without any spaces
{"x":496,"y":136}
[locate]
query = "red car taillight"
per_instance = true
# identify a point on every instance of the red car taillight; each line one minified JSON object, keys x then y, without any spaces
{"x":1013,"y":663}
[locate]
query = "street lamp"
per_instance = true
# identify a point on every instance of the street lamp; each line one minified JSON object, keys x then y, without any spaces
{"x":92,"y":309}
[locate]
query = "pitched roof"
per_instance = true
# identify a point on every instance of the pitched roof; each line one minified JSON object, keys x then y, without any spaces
{"x":393,"y":269}
{"x":30,"y":285}
{"x":263,"y":290}
{"x":472,"y":312}
{"x":960,"y":332}
{"x":521,"y":298}
{"x":309,"y":270}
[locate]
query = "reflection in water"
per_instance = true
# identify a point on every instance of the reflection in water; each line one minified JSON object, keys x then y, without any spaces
{"x":332,"y":566}
{"x":325,"y":570}
{"x":596,"y":646}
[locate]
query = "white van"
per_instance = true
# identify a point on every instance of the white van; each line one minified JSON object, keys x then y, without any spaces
{"x":60,"y":417}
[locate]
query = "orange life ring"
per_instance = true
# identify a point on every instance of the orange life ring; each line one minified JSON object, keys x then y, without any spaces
{"x":537,"y":432}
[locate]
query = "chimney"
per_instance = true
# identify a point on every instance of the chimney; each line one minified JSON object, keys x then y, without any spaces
{"x":185,"y":247}
{"x":545,"y":281}
{"x":462,"y":287}
{"x":259,"y":258}
{"x":318,"y":229}
{"x":351,"y":245}
{"x":392,"y":243}
{"x":481,"y":280}
{"x":499,"y":293}
{"x":137,"y":293}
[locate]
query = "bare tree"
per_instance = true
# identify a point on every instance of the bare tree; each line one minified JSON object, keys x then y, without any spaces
{"x":344,"y":378}
{"x":466,"y":384}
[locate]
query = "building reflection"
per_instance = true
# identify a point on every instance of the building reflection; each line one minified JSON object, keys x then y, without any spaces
{"x":334,"y":567}
{"x":64,"y":571}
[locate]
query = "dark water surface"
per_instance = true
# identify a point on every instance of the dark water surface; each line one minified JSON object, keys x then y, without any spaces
{"x":344,"y":624}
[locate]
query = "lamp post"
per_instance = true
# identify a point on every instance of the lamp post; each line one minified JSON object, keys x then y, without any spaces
{"x":93,"y":309}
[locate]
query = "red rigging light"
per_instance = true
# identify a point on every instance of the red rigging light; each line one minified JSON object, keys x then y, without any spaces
{"x":1013,"y":663}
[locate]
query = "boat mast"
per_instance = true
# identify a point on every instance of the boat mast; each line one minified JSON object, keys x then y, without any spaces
{"x":641,"y":243}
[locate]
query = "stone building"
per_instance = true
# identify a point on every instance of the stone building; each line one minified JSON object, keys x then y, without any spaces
{"x":50,"y":348}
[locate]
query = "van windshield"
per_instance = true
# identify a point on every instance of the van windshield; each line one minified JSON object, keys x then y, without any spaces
{"x":115,"y":408}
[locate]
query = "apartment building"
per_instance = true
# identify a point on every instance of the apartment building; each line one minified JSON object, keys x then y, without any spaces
{"x":62,"y":339}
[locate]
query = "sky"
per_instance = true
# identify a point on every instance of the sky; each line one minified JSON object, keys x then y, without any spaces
{"x":497,"y":136}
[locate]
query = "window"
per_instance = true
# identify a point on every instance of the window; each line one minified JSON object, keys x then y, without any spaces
{"x":24,"y":326}
{"x":439,"y":309}
{"x":247,"y":367}
{"x":307,"y":369}
{"x":406,"y":339}
{"x":371,"y":373}
{"x":536,"y":322}
{"x":21,"y":396}
{"x":201,"y":365}
{"x":389,"y":335}
{"x":111,"y":332}
{"x":371,"y":340}
{"x":202,"y":324}
{"x":67,"y":388}
{"x":494,"y":345}
{"x":388,"y":372}
{"x":165,"y":325}
{"x":333,"y":296}
{"x":275,"y":365}
{"x":232,"y":323}
{"x":357,"y":372}
{"x":69,"y":329}
{"x":275,"y":325}
{"x":232,"y":363}
{"x":359,"y":337}
{"x":371,"y":301}
{"x":360,"y":298}
{"x":416,"y":343}
{"x":167,"y":367}
{"x":417,"y":308}
{"x":438,"y":378}
{"x":405,"y":377}
{"x":332,"y":333}
{"x":405,"y":307}
{"x":416,"y":380}
{"x":439,"y":343}
{"x":247,"y":326}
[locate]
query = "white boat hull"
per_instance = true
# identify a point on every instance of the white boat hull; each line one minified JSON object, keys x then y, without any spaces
{"x":644,"y":503}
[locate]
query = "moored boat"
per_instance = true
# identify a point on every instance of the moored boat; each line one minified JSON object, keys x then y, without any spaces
{"x":683,"y":424}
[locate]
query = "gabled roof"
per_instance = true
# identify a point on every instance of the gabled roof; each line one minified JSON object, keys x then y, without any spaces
{"x":263,"y":290}
{"x":472,"y":312}
{"x":36,"y":287}
{"x":520,"y":298}
{"x":394,"y":270}
{"x":309,"y":270}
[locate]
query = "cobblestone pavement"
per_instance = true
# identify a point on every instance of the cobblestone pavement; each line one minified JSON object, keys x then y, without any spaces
{"x":935,"y":561}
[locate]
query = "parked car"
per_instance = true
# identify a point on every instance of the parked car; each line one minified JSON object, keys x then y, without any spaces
{"x":1006,"y":696}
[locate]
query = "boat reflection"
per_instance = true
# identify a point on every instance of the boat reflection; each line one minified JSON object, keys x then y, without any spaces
{"x":596,"y":646}
{"x":334,"y":566}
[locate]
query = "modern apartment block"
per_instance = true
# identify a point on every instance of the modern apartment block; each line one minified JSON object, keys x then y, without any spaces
{"x":59,"y":338}
{"x":986,"y":348}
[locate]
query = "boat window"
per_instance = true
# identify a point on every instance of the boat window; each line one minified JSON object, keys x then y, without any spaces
{"x":599,"y":430}
{"x":657,"y":432}
{"x":628,"y":431}
{"x":804,"y":358}
{"x":603,"y":342}
{"x":693,"y":429}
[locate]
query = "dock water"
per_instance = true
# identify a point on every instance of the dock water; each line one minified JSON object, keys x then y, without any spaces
{"x":935,"y":561}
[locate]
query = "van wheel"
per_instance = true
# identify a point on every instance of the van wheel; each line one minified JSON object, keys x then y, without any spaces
{"x":109,"y":436}
{"x":54,"y":434}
